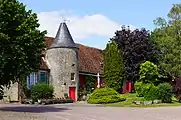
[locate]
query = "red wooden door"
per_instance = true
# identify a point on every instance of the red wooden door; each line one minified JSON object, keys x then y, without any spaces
{"x":72,"y":93}
{"x":128,"y":86}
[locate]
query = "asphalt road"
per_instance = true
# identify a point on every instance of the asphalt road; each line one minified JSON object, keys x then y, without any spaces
{"x":86,"y":112}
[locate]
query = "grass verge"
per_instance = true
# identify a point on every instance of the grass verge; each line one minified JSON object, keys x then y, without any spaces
{"x":130,"y":97}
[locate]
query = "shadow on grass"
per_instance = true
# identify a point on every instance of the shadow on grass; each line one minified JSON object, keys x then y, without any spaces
{"x":33,"y":109}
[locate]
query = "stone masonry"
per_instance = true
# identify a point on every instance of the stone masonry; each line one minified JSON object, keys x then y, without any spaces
{"x":11,"y":93}
{"x":63,"y":62}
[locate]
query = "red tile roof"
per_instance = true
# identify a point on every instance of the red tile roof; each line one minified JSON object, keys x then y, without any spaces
{"x":89,"y":58}
{"x":48,"y":41}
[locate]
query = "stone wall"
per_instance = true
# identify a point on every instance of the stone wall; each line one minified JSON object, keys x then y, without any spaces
{"x":11,"y":93}
{"x":62,"y":62}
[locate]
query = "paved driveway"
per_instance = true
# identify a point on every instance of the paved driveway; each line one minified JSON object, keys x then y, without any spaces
{"x":83,"y":112}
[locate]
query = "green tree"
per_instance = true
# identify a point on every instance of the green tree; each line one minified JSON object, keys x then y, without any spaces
{"x":21,"y":43}
{"x":148,"y":72}
{"x":113,"y":66}
{"x":136,"y":47}
{"x":148,"y":78}
{"x":167,"y":37}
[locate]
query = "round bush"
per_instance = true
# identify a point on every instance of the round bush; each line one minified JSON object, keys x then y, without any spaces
{"x":138,"y":89}
{"x":41,"y":91}
{"x":153,"y":94}
{"x":165,"y":92}
{"x":105,"y":95}
{"x":146,"y":88}
{"x":142,"y":89}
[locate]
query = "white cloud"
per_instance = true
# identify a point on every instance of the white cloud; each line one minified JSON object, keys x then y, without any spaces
{"x":81,"y":27}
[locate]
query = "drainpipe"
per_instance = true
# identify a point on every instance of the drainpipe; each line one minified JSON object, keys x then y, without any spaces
{"x":98,"y":80}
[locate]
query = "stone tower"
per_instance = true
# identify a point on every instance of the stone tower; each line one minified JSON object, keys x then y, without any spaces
{"x":63,"y":63}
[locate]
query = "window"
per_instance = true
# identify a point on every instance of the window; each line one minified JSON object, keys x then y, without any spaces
{"x":73,"y":76}
{"x":43,"y":76}
{"x":35,"y":77}
{"x":32,"y":79}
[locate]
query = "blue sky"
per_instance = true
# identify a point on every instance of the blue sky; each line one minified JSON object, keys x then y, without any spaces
{"x":93,"y":22}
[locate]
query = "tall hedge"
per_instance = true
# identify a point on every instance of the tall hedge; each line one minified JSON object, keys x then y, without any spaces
{"x":113,"y":66}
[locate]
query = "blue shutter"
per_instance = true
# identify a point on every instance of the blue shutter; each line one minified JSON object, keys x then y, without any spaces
{"x":31,"y":79}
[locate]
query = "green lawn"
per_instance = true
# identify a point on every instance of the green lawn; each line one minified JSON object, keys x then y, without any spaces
{"x":132,"y":97}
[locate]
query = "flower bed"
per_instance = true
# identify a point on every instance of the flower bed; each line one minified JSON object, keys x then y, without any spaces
{"x":48,"y":101}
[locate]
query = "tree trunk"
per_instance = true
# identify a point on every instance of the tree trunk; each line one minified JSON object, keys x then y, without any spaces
{"x":19,"y":91}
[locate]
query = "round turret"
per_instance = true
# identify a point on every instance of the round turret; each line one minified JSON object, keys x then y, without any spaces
{"x":63,"y":62}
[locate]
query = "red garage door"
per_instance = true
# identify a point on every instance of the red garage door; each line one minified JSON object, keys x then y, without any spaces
{"x":72,"y":93}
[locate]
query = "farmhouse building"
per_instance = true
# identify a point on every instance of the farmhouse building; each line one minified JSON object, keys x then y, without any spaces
{"x":66,"y":64}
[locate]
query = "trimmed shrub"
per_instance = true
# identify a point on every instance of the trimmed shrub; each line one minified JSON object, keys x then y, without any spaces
{"x":138,"y":88}
{"x":165,"y":92}
{"x":105,"y":95}
{"x":153,"y":94}
{"x":142,"y":89}
{"x":146,"y":88}
{"x":41,"y":91}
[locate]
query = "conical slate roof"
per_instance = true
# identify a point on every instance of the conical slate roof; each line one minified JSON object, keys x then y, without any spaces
{"x":63,"y":38}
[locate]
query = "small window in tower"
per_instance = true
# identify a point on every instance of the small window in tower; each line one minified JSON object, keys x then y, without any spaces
{"x":73,"y":76}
